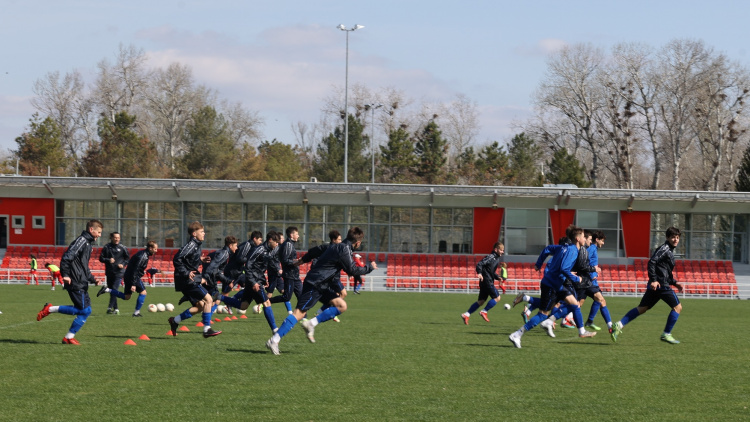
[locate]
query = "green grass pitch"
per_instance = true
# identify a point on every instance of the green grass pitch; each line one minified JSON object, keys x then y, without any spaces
{"x":394,"y":356}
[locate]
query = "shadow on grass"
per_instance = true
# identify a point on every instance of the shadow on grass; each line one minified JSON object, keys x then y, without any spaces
{"x":252,"y":352}
{"x":17,"y":341}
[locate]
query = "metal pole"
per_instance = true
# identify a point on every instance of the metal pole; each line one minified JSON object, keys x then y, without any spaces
{"x":372,"y":144}
{"x":346,"y":113}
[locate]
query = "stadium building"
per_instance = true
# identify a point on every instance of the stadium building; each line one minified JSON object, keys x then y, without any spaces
{"x":422,"y":226}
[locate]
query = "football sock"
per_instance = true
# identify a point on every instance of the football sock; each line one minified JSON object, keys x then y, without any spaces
{"x":534,"y":321}
{"x":526,"y":298}
{"x":592,"y":313}
{"x":605,"y":314}
{"x":286,"y":326}
{"x":65,"y":309}
{"x":288,"y":306}
{"x":116,"y":293}
{"x":491,"y":304}
{"x":139,"y":302}
{"x":578,"y":318}
{"x":231,"y":301}
{"x":205,"y":318}
{"x":671,"y":320}
{"x":213,"y":308}
{"x":631,"y":315}
{"x":53,"y":309}
{"x":474,"y":306}
{"x":326,"y":315}
{"x":268,"y":312}
{"x":183,"y":316}
{"x":70,"y":335}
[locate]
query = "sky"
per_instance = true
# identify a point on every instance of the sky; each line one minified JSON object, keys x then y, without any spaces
{"x":281,"y":59}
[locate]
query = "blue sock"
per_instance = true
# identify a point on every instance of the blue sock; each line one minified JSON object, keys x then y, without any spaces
{"x":671,"y":321}
{"x":329,"y":313}
{"x":81,"y":316}
{"x":535,"y":320}
{"x":592,"y":313}
{"x":117,"y":293}
{"x":288,"y":306}
{"x":67,"y":310}
{"x":231,"y":301}
{"x":206,"y":318}
{"x":139,"y":302}
{"x":577,"y":315}
{"x":474,"y":306}
{"x":268,"y":312}
{"x":491,"y":304}
{"x":213,"y":308}
{"x":186,"y":315}
{"x":287,"y":325}
{"x":561,"y":312}
{"x":631,"y":315}
{"x":239,"y":294}
{"x":605,"y":314}
{"x":533,"y":303}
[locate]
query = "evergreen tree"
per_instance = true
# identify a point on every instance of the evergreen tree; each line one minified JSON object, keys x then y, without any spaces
{"x":397,"y":157}
{"x":281,"y":162}
{"x":211,"y":152}
{"x":120,"y":152}
{"x":465,"y":171}
{"x":329,"y":165}
{"x":431,"y":150}
{"x":493,"y":165}
{"x":742,"y":184}
{"x":41,"y":147}
{"x":564,"y":168}
{"x":524,"y":159}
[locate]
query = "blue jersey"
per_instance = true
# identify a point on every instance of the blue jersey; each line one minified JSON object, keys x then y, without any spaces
{"x":558,"y":268}
{"x":594,"y":261}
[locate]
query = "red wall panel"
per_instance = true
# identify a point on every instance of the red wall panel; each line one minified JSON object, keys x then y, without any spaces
{"x":636,"y":232}
{"x":487,"y":225}
{"x":28,"y":208}
{"x":559,"y":221}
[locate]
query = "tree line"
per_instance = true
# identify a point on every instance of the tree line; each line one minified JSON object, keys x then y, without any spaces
{"x":634,"y":119}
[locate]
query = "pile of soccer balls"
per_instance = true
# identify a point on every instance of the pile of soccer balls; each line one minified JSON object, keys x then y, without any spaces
{"x":160,"y":307}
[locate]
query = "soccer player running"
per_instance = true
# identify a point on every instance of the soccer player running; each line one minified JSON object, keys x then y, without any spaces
{"x":54,"y":272}
{"x":236,"y":264}
{"x":659,"y":287}
{"x":32,"y":270}
{"x":487,"y":270}
{"x":597,"y":241}
{"x":115,"y":257}
{"x":74,"y":266}
{"x":254,"y":279}
{"x":320,"y":286}
{"x":190,"y":282}
{"x":287,"y":256}
{"x":135,"y":270}
{"x":214,"y":271}
{"x":555,"y":284}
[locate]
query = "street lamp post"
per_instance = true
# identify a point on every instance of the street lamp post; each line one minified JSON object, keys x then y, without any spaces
{"x":372,"y":107}
{"x":346,"y":101}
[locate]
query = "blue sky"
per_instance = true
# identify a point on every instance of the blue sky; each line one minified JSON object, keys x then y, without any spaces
{"x":281,"y":58}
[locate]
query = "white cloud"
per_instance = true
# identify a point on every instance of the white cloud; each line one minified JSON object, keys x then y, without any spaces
{"x":543,"y":47}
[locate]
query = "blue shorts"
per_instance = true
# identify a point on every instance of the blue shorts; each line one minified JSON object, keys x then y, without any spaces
{"x":311,"y":295}
{"x":250,"y":295}
{"x":486,"y":291}
{"x":651,"y":297}
{"x":80,"y":298}
{"x":550,"y":296}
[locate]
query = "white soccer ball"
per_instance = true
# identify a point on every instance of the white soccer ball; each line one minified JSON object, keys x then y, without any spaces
{"x":507,"y":306}
{"x":169,"y":307}
{"x":152,"y":307}
{"x":160,"y":307}
{"x":241,"y":311}
{"x":256,"y":309}
{"x":221,"y":309}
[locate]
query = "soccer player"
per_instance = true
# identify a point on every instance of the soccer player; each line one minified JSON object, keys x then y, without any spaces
{"x":189,"y":281}
{"x":54,"y":271}
{"x":287,"y":256}
{"x":236,"y":264}
{"x":254,"y":279}
{"x":553,"y":285}
{"x":32,"y":270}
{"x":317,"y":287}
{"x":133,"y":273}
{"x":659,"y":287}
{"x":151,"y":273}
{"x":115,"y":257}
{"x":274,"y":272}
{"x":358,"y":280}
{"x":597,"y":241}
{"x":74,"y":266}
{"x":214,"y":271}
{"x":487,"y":270}
{"x":314,"y":253}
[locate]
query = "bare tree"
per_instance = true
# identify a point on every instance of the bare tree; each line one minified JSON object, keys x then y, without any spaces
{"x":459,"y":122}
{"x":121,"y":85}
{"x":244,"y":125}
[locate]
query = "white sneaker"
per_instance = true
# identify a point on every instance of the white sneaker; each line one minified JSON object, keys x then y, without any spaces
{"x":309,"y":329}
{"x":290,"y":312}
{"x":336,"y":319}
{"x":53,"y":288}
{"x":273,"y":346}
{"x":548,"y":326}
{"x":515,"y":339}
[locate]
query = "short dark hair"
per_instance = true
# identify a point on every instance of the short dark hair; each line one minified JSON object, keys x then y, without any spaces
{"x":273,"y":235}
{"x":573,"y":231}
{"x":587,"y":233}
{"x":355,"y":234}
{"x":151,"y":243}
{"x":333,"y":235}
{"x":229,"y":240}
{"x":194,"y":227}
{"x":94,"y":223}
{"x":111,"y":235}
{"x":290,"y":230}
{"x":256,"y":235}
{"x":497,"y":245}
{"x":598,"y":234}
{"x":673,"y":231}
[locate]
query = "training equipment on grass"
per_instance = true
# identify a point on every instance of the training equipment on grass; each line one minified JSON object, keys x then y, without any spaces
{"x":160,"y":307}
{"x":169,"y":307}
{"x":152,"y":307}
{"x":507,"y":306}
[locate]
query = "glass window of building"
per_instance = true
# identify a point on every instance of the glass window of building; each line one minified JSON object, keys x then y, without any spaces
{"x":526,"y":231}
{"x":608,"y":222}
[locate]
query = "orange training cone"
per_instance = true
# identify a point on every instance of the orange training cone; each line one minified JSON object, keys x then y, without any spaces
{"x":227,"y":319}
{"x":234,"y":317}
{"x":129,"y":342}
{"x":183,"y":328}
{"x":170,"y":333}
{"x":144,"y":337}
{"x":243,"y":317}
{"x":199,"y":324}
{"x":217,"y":320}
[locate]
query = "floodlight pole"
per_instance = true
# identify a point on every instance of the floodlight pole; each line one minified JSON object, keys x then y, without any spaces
{"x":346,"y":101}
